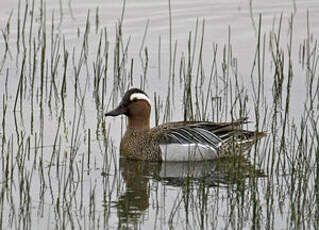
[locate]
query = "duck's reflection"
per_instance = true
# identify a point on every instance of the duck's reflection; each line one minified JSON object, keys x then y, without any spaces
{"x":137,"y":175}
{"x":135,"y":200}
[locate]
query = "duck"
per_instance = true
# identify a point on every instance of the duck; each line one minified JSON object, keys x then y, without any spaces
{"x":180,"y":140}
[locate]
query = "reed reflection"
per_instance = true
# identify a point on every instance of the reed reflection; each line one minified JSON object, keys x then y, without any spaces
{"x":133,"y":204}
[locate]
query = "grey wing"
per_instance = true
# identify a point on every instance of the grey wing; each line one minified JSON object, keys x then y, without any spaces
{"x":193,"y":135}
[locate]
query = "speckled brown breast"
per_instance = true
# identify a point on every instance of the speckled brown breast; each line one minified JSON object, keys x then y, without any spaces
{"x":140,"y":145}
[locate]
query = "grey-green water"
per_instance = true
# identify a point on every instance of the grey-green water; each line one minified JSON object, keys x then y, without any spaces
{"x":62,"y":65}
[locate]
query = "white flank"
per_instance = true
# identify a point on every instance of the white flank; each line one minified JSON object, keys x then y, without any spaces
{"x":187,"y":152}
{"x":140,"y":96}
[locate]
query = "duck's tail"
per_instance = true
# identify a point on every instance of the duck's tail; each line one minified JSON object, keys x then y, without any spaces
{"x":240,"y":140}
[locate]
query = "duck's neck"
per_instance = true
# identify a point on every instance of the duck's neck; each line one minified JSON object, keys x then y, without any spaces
{"x":139,"y":123}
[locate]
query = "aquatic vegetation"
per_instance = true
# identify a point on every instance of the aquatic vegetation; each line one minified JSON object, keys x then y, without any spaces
{"x":59,"y":163}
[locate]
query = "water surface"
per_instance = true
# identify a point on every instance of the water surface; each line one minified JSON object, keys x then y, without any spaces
{"x":63,"y":66}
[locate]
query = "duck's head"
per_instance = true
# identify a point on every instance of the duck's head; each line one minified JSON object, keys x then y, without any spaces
{"x":136,"y":106}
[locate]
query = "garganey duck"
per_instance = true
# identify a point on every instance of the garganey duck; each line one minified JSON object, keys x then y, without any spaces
{"x":177,"y":141}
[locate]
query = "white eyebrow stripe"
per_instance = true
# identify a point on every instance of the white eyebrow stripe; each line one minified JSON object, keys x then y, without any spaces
{"x":140,"y":96}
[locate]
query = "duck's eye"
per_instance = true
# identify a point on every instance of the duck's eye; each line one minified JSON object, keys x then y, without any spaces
{"x":134,"y":100}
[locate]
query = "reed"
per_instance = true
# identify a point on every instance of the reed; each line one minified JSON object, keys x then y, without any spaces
{"x":59,"y":155}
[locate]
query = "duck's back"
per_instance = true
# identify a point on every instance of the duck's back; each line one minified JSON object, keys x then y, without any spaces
{"x":195,"y":141}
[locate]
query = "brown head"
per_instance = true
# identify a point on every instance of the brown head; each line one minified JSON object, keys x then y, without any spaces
{"x":137,"y":107}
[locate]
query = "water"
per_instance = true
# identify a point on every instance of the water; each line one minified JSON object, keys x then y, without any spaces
{"x":60,"y":165}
